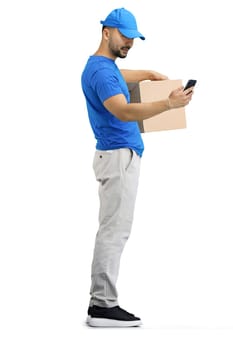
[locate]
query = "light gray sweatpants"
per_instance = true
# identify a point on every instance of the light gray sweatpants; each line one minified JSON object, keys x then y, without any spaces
{"x":117,"y":172}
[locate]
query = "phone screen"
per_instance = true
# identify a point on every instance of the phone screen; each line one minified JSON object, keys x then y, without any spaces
{"x":190,"y":83}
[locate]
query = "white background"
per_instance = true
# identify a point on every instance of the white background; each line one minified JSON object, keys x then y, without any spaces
{"x":176,"y":271}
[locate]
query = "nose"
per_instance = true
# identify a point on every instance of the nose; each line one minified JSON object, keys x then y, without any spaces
{"x":129,"y":42}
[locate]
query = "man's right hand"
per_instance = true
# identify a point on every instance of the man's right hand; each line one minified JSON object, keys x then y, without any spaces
{"x":180,"y":98}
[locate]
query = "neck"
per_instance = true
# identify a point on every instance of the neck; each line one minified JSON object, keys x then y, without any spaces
{"x":104,"y":52}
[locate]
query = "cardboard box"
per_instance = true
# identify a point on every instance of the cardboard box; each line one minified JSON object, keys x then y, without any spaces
{"x":148,"y":91}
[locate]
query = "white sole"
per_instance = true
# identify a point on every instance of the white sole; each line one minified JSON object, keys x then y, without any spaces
{"x":105,"y":322}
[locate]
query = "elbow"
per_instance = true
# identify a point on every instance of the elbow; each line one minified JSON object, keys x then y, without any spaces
{"x":124,"y":117}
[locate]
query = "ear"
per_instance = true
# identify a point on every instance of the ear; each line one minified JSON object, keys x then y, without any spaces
{"x":106,"y":33}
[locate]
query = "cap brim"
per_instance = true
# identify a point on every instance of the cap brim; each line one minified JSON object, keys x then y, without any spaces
{"x":131,"y":33}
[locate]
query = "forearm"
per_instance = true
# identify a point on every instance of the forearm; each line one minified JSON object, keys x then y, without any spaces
{"x":134,"y":76}
{"x":141,"y":111}
{"x":118,"y":106}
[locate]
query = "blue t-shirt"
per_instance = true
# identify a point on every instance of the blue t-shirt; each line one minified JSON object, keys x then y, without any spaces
{"x":102,"y":79}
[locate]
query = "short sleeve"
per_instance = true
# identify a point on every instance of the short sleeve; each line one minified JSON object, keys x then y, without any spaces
{"x":106,"y":84}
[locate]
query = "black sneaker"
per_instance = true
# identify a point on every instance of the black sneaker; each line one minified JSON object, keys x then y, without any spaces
{"x":111,"y":317}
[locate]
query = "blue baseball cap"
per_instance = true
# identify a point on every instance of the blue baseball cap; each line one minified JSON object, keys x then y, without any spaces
{"x":124,"y":21}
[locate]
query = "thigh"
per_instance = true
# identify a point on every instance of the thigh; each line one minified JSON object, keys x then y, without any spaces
{"x":118,"y":174}
{"x":109,"y":164}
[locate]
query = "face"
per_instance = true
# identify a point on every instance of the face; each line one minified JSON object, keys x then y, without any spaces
{"x":118,"y":44}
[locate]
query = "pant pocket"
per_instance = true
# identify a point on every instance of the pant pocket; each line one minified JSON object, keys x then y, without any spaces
{"x":102,"y":164}
{"x":130,"y":160}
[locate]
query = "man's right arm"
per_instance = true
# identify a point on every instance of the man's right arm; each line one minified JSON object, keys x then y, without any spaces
{"x":118,"y":106}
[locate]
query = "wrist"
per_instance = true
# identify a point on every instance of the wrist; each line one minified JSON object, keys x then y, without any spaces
{"x":169,"y":106}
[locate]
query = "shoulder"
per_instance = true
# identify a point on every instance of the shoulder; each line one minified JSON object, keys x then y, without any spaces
{"x":101,"y":72}
{"x":102,"y":65}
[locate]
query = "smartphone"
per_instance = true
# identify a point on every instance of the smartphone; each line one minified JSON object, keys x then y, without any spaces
{"x":190,"y":83}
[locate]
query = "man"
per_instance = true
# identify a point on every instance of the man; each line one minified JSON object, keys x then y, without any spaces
{"x":117,"y":157}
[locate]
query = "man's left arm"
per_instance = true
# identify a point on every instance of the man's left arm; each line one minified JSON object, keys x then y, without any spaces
{"x":134,"y":76}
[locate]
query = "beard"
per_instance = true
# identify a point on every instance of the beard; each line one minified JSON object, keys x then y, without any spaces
{"x":121,"y":53}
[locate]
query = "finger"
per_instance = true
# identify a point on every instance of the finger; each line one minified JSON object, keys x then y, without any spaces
{"x":161,"y":77}
{"x":189,"y":97}
{"x":189,"y":91}
{"x":179,"y":89}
